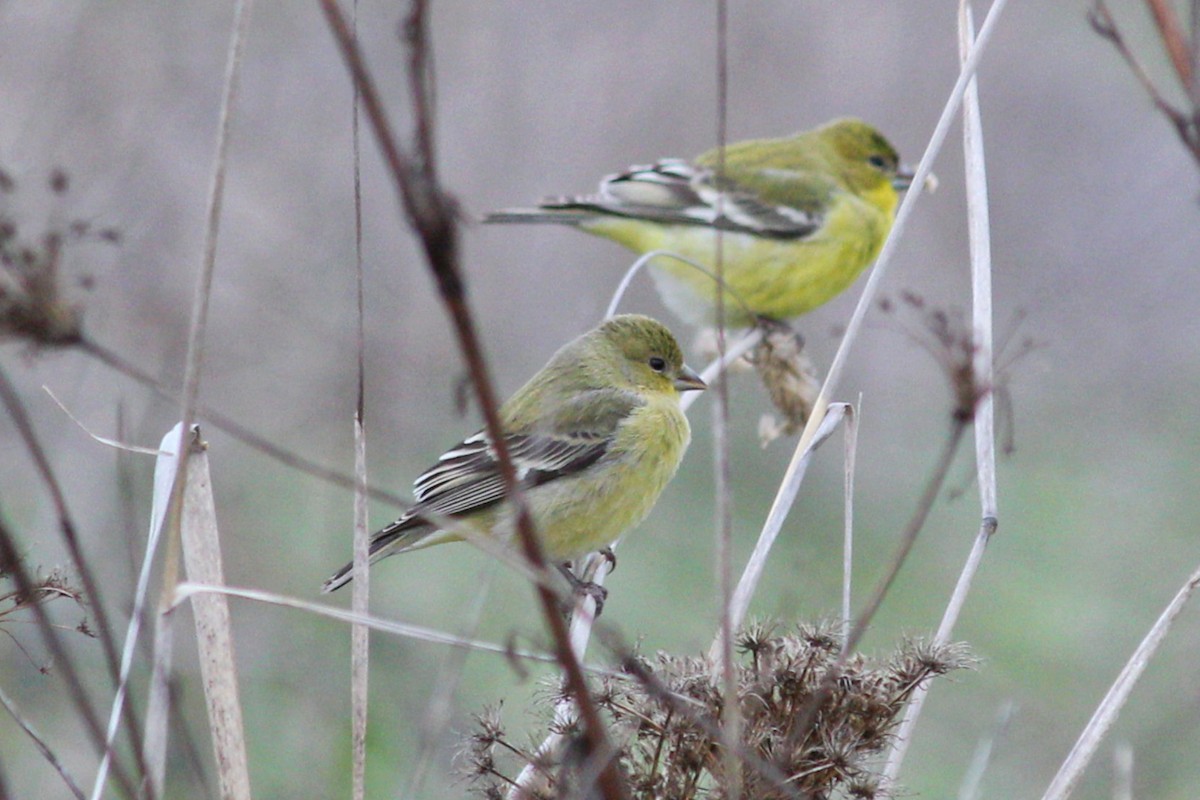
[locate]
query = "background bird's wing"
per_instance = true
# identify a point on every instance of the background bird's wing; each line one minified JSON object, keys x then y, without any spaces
{"x":675,"y":192}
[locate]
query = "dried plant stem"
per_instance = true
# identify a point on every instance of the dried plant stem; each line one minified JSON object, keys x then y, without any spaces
{"x":1183,"y":56}
{"x":185,"y":591}
{"x":360,"y":650}
{"x":164,"y":471}
{"x":158,"y":709}
{"x":731,"y":721}
{"x":63,"y":663}
{"x":158,"y":704}
{"x":441,"y":700}
{"x":20,"y":417}
{"x":807,"y":718}
{"x":884,"y":261}
{"x":688,"y":708}
{"x":816,"y":427}
{"x":851,"y":452}
{"x":973,"y":779}
{"x":41,"y":745}
{"x":784,"y":497}
{"x":1174,"y":39}
{"x":16,"y":410}
{"x":1106,"y":713}
{"x":235,"y":429}
{"x":214,"y":638}
{"x":908,"y":538}
{"x":979,"y":230}
{"x":432,"y":215}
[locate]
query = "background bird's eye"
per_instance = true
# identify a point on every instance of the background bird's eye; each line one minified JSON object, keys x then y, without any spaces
{"x":658,"y":364}
{"x":879,"y":162}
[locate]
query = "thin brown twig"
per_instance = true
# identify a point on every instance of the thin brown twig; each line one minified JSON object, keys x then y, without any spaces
{"x":432,"y":215}
{"x":1194,"y":88}
{"x":1174,"y":39}
{"x":684,"y":707}
{"x":808,"y":717}
{"x":1186,"y":125}
{"x":236,"y":429}
{"x":41,"y":745}
{"x":1102,"y":21}
{"x":360,"y":635}
{"x":63,"y":662}
{"x":731,"y":722}
{"x":909,"y":537}
{"x":16,"y":410}
{"x":193,"y":364}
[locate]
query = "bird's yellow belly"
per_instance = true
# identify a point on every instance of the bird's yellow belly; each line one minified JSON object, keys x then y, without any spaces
{"x":572,"y":522}
{"x":776,"y":278}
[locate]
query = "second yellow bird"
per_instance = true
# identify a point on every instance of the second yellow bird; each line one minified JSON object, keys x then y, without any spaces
{"x":801,"y":217}
{"x":594,"y":437}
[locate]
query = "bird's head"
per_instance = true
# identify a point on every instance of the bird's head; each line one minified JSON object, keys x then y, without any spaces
{"x":869,"y":162}
{"x":647,"y":355}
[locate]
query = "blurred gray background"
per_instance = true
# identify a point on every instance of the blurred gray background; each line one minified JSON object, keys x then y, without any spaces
{"x":1094,"y":214}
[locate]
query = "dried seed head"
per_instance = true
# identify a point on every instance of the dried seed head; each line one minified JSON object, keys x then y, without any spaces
{"x":33,"y":306}
{"x":666,"y":714}
{"x":789,"y":377}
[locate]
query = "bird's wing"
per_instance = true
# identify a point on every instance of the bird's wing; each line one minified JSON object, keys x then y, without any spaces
{"x":467,"y":478}
{"x":675,"y":192}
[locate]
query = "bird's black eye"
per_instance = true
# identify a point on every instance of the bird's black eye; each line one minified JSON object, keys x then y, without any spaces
{"x":878,"y":162}
{"x":657,"y":364}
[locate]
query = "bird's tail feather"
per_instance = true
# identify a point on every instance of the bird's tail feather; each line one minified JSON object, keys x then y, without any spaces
{"x":554,"y":216}
{"x":393,"y":539}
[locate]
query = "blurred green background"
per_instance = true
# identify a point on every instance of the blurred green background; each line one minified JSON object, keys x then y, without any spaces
{"x":1095,"y":236}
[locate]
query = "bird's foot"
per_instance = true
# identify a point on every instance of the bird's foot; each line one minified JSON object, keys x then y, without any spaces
{"x":789,"y":377}
{"x":780,"y":327}
{"x":580,"y":590}
{"x":610,"y":557}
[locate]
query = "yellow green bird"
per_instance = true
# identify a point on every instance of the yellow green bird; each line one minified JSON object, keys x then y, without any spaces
{"x":801,"y":217}
{"x":595,"y":436}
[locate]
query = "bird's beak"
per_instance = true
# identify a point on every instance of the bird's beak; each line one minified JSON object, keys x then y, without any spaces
{"x":688,"y":380}
{"x":903,"y":178}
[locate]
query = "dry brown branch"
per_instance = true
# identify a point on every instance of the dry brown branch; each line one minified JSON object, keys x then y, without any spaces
{"x":1174,"y":39}
{"x":1182,"y":55}
{"x":432,"y":214}
{"x":360,"y":593}
{"x":41,"y":745}
{"x":214,"y":637}
{"x":10,"y":557}
{"x":235,"y":429}
{"x":16,"y":410}
{"x":668,"y":718}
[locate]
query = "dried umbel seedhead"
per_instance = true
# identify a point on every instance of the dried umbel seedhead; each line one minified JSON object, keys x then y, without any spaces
{"x":42,"y":589}
{"x":948,"y":337}
{"x":810,"y":726}
{"x":788,"y":376}
{"x":33,"y":307}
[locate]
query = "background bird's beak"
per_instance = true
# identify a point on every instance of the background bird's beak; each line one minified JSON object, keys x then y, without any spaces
{"x":903,"y":178}
{"x":688,"y":380}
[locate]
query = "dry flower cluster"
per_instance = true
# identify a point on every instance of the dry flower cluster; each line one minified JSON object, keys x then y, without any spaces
{"x":54,"y":585}
{"x":32,"y":306}
{"x":811,"y":722}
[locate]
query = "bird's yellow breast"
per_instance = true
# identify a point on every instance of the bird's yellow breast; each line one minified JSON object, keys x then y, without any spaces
{"x":580,"y":514}
{"x":776,"y":278}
